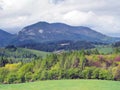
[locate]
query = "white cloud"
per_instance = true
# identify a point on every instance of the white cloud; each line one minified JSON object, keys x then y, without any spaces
{"x":101,"y":23}
{"x":102,"y":15}
{"x":56,"y":1}
{"x":78,"y":17}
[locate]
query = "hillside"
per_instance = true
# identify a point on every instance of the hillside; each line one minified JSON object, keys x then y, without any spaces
{"x":47,"y":33}
{"x":13,"y":54}
{"x":59,"y":45}
{"x":5,"y":38}
{"x":43,"y":31}
{"x":51,"y":37}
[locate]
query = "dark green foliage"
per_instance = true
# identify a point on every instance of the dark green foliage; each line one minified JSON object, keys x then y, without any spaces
{"x":11,"y":48}
{"x":59,"y":45}
{"x":117,"y":44}
{"x":3,"y":61}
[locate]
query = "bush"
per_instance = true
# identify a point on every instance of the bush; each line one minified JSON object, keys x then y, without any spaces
{"x":117,"y":73}
{"x":105,"y":75}
{"x":3,"y":73}
{"x":44,"y":75}
{"x":11,"y":78}
{"x":35,"y":76}
{"x":87,"y":73}
{"x":73,"y":73}
{"x":28,"y":76}
{"x":53,"y":74}
{"x":95,"y":74}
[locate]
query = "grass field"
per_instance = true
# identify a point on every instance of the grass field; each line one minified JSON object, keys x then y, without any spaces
{"x":38,"y":53}
{"x":105,"y":49}
{"x":21,"y":51}
{"x":65,"y":85}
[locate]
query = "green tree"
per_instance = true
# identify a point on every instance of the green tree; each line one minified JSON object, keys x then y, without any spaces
{"x":82,"y":60}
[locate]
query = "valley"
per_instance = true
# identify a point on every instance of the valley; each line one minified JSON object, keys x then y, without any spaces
{"x":53,"y":53}
{"x":59,"y":45}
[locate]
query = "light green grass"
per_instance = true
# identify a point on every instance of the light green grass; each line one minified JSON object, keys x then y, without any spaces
{"x":65,"y":85}
{"x":105,"y":49}
{"x":20,"y":52}
{"x":37,"y":52}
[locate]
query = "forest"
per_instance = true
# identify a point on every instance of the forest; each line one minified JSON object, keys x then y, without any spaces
{"x":60,"y":45}
{"x":82,"y":64}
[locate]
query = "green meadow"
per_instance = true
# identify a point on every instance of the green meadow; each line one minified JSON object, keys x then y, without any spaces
{"x":64,"y":85}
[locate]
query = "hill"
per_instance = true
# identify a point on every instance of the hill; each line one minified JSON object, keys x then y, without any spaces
{"x":53,"y":36}
{"x":13,"y":54}
{"x":5,"y":38}
{"x":44,"y":31}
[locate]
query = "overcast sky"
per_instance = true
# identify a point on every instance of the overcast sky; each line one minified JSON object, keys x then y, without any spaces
{"x":100,"y":15}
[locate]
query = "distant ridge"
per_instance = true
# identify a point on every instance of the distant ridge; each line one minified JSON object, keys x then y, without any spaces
{"x":42,"y":32}
{"x":5,"y":38}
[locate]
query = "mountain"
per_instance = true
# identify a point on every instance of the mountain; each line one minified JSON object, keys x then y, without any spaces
{"x":5,"y":38}
{"x":43,"y":32}
{"x":53,"y":35}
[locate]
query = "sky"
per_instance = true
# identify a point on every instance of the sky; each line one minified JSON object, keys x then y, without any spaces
{"x":100,"y":15}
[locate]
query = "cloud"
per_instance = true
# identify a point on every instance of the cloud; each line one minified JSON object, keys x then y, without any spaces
{"x":77,"y":17}
{"x":102,"y":15}
{"x":100,"y":23}
{"x":56,"y":1}
{"x":1,"y":5}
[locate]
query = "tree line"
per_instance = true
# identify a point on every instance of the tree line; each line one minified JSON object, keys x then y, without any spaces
{"x":59,"y":45}
{"x":66,"y":65}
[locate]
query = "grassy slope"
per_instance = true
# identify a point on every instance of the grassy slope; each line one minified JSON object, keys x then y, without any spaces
{"x":105,"y":49}
{"x":36,"y":52}
{"x":65,"y":85}
{"x":20,"y":51}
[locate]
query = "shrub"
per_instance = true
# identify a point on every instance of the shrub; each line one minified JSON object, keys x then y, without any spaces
{"x":117,"y":73}
{"x":87,"y":73}
{"x":105,"y":75}
{"x":95,"y":74}
{"x":73,"y":73}
{"x":44,"y":75}
{"x":3,"y":74}
{"x":11,"y":78}
{"x":28,"y":76}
